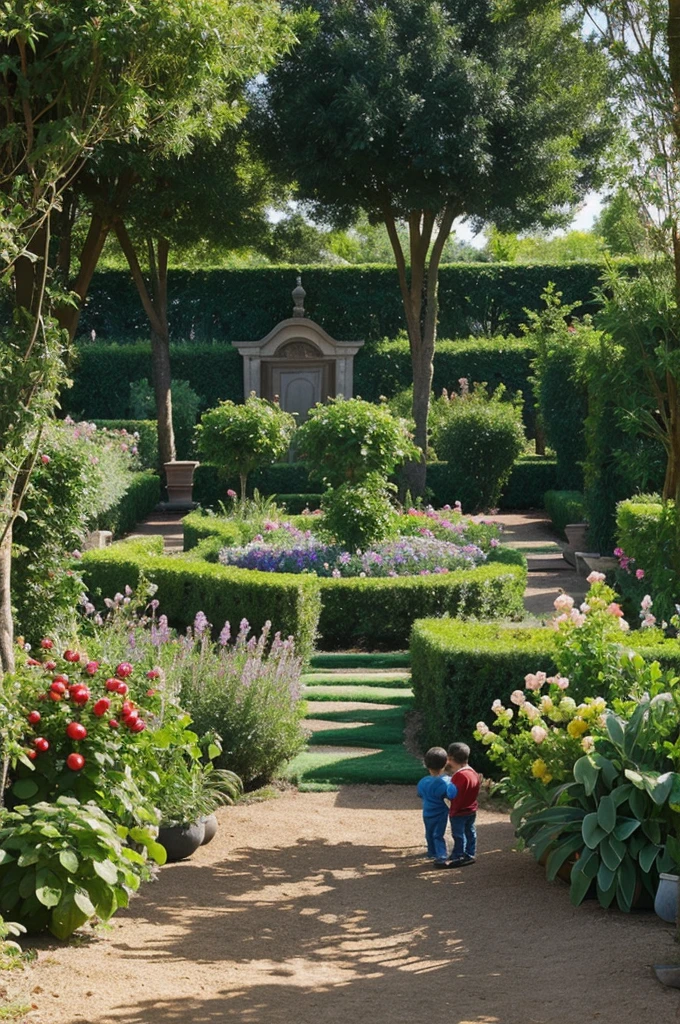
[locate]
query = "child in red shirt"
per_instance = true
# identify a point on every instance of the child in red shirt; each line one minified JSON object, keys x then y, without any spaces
{"x":463,"y":810}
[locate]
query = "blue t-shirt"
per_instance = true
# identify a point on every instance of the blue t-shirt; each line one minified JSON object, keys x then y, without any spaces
{"x":433,"y":790}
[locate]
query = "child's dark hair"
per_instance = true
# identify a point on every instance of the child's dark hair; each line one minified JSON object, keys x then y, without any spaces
{"x":459,"y":752}
{"x":435,"y":758}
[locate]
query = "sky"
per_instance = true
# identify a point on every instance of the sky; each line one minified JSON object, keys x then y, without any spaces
{"x":583,"y":221}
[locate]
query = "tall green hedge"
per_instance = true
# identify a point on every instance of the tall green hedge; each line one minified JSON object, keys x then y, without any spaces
{"x":564,"y":507}
{"x":459,"y":668}
{"x":141,"y":498}
{"x":185,"y":587}
{"x":350,"y":302}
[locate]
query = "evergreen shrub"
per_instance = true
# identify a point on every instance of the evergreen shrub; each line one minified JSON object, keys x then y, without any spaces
{"x":146,"y":443}
{"x":564,"y":507}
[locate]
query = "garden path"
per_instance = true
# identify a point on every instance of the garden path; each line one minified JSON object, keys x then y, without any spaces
{"x":314,"y":908}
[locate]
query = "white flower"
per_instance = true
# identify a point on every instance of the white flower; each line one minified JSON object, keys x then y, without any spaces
{"x":596,"y":577}
{"x":482,"y":728}
{"x":623,"y":625}
{"x":530,"y":711}
{"x":587,"y":744}
{"x":563,"y":603}
{"x":538,"y":734}
{"x":646,"y":603}
{"x":497,"y":706}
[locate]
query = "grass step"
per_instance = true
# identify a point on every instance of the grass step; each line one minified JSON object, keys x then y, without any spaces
{"x":373,"y":715}
{"x":368,"y":694}
{"x":389,"y":765}
{"x":344,"y":659}
{"x":380,"y":727}
{"x":396,"y":679}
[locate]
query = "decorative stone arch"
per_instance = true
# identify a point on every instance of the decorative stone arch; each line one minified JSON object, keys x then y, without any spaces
{"x":298,"y":362}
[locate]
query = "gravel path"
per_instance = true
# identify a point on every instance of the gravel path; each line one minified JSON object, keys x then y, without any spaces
{"x":315,"y":909}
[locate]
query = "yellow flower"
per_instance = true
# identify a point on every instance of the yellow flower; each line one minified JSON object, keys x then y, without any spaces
{"x":577,"y":727}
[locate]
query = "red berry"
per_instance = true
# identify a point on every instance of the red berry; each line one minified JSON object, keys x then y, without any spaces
{"x":32,"y":754}
{"x":56,"y":686}
{"x":33,"y":717}
{"x":131,"y":718}
{"x":32,"y":662}
{"x":150,"y":693}
{"x":41,"y":744}
{"x":49,"y":666}
{"x":55,"y":696}
{"x":61,"y":678}
{"x":101,"y":707}
{"x":122,"y":689}
{"x":73,"y":656}
{"x":113,"y":724}
{"x":46,"y":644}
{"x":76,"y":731}
{"x":124,"y":669}
{"x":80,"y":695}
{"x":92,"y":668}
{"x":138,"y":725}
{"x":75,"y":762}
{"x":112,"y":685}
{"x":153,"y":674}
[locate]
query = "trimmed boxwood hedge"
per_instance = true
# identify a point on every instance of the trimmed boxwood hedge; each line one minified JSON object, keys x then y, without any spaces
{"x":459,"y":668}
{"x":564,"y":507}
{"x":185,"y":586}
{"x":381,"y":612}
{"x":350,"y":302}
{"x":531,"y":477}
{"x":141,"y":498}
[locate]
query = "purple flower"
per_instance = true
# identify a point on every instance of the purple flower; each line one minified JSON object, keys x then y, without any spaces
{"x":225,"y":634}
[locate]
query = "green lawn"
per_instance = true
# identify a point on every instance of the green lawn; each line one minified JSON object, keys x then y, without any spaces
{"x":366,"y":694}
{"x":393,"y":764}
{"x":396,"y":679}
{"x":395,"y":659}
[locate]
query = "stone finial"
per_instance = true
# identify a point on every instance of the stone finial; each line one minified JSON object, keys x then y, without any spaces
{"x":299,"y":299}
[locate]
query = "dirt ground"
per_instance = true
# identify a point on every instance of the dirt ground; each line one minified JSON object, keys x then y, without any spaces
{"x":315,"y":908}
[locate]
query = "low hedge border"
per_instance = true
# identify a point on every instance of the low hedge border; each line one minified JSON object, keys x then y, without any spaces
{"x":564,"y":507}
{"x":377,"y":612}
{"x":141,"y":498}
{"x":459,"y":668}
{"x":185,"y":586}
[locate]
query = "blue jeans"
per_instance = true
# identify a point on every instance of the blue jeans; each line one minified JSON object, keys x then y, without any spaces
{"x":464,"y":835}
{"x":435,"y":831}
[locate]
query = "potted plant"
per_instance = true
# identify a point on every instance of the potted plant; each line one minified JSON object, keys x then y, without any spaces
{"x":187,"y":803}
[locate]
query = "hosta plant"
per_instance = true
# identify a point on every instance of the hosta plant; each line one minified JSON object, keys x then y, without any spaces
{"x":65,"y":863}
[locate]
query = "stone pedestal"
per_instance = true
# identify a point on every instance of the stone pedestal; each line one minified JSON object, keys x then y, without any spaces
{"x":180,"y":480}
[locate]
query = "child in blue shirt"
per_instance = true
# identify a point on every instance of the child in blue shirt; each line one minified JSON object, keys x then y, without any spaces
{"x":433,"y":791}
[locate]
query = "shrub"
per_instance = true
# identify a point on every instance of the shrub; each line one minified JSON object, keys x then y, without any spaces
{"x":141,"y":497}
{"x":459,"y":668}
{"x":564,"y":507}
{"x":145,"y":434}
{"x":647,"y":539}
{"x":245,"y":437}
{"x":185,"y":407}
{"x":348,"y":441}
{"x":297,"y":504}
{"x":358,"y":514}
{"x":531,"y":476}
{"x":290,"y":603}
{"x":376,"y":612}
{"x":480,"y":438}
{"x":63,"y":863}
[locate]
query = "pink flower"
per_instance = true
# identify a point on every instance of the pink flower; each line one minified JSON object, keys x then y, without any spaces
{"x":618,"y":552}
{"x":517,"y":697}
{"x":538,"y":734}
{"x":563,"y":603}
{"x":648,"y":621}
{"x":482,"y":728}
{"x":494,"y":543}
{"x":639,"y":574}
{"x":534,"y":682}
{"x":231,"y":493}
{"x":624,"y":625}
{"x":562,"y":682}
{"x":45,"y":459}
{"x":646,"y":603}
{"x":530,"y":711}
{"x":596,"y":577}
{"x":615,"y":609}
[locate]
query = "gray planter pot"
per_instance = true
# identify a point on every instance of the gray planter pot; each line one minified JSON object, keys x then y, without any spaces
{"x":210,"y":827}
{"x":666,"y":901}
{"x":180,"y":841}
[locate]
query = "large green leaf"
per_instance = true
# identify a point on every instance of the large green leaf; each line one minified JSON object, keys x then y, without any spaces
{"x":6,"y":857}
{"x":610,"y":854}
{"x":582,"y":875}
{"x":638,"y":801}
{"x":106,"y":871}
{"x":69,"y":861}
{"x":673,"y":848}
{"x":561,"y":853}
{"x":626,"y":884}
{"x":606,"y":896}
{"x":66,"y":917}
{"x":587,"y":773}
{"x":591,"y":830}
{"x":48,"y":887}
{"x":625,"y":827}
{"x":606,"y":878}
{"x":27,"y":884}
{"x":652,"y":830}
{"x":83,"y":902}
{"x":622,"y":793}
{"x":606,"y":814}
{"x":615,"y":728}
{"x":647,"y":856}
{"x":661,"y":790}
{"x":610,"y":773}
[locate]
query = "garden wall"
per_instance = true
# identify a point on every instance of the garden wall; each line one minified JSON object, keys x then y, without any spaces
{"x":350,"y":302}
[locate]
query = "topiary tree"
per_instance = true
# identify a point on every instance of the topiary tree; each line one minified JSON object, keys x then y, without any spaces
{"x":245,"y":437}
{"x":348,"y":439}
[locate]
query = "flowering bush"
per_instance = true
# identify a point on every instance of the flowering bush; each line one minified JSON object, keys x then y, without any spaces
{"x":589,"y":774}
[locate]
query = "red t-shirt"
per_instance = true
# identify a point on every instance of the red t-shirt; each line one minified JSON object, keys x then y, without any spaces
{"x":467,"y":782}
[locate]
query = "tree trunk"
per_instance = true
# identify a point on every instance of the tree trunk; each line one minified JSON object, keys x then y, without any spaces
{"x":6,"y":624}
{"x":419,"y":286}
{"x":244,"y":481}
{"x":69,"y":316}
{"x":155,"y":305}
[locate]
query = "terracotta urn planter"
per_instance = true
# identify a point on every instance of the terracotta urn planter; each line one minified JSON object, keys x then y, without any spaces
{"x":576,"y":535}
{"x":180,"y":479}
